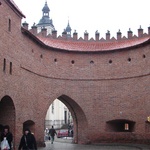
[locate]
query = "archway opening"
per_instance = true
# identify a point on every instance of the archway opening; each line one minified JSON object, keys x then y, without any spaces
{"x":58,"y":115}
{"x":73,"y":118}
{"x":120,"y":125}
{"x":7,"y":113}
{"x":30,"y":125}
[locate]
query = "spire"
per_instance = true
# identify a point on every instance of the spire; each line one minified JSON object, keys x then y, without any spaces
{"x":45,"y":18}
{"x":45,"y":21}
{"x":46,"y":9}
{"x":68,"y":30}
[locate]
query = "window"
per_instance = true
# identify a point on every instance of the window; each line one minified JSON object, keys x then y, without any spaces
{"x":52,"y":108}
{"x":9,"y":25}
{"x":10,"y":71}
{"x":4,"y":65}
{"x":126,"y":126}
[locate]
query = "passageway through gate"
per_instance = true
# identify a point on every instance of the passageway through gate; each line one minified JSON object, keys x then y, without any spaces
{"x":78,"y":118}
{"x":7,"y":114}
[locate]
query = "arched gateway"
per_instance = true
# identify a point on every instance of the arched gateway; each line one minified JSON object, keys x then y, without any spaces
{"x":104,"y":83}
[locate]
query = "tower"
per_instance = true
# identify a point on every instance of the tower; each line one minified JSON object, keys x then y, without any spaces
{"x":68,"y":30}
{"x":45,"y":21}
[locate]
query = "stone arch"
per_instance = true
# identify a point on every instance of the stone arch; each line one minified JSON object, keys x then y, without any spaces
{"x":79,"y":119}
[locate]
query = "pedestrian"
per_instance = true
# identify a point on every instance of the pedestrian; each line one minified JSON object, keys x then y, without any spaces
{"x":52,"y":133}
{"x":7,"y":136}
{"x":28,"y":141}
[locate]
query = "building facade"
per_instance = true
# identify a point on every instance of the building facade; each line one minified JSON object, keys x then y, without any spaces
{"x":104,"y":82}
{"x":58,"y":115}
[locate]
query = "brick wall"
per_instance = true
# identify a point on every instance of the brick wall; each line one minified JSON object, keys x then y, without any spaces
{"x":96,"y":87}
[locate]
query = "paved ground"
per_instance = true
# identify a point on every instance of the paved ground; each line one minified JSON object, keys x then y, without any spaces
{"x":65,"y":144}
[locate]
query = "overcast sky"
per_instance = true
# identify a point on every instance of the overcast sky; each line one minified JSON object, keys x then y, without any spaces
{"x":90,"y":15}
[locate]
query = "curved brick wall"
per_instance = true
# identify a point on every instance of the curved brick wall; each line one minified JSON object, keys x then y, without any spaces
{"x":101,"y":89}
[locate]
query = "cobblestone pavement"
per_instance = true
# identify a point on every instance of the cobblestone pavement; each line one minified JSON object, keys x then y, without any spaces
{"x":63,"y":144}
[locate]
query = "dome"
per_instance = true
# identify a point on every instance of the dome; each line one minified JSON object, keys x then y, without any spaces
{"x":46,"y":8}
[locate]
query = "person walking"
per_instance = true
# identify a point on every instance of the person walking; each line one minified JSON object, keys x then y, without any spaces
{"x":28,"y":141}
{"x":7,"y":135}
{"x":52,"y":133}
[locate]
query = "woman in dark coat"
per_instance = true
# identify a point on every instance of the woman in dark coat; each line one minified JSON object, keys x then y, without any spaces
{"x":27,"y":141}
{"x":9,"y":137}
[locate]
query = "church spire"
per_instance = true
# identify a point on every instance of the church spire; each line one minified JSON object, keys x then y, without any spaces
{"x":68,"y":30}
{"x":46,"y":10}
{"x":45,"y":21}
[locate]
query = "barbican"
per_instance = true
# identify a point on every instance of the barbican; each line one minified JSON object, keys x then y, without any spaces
{"x":104,"y":82}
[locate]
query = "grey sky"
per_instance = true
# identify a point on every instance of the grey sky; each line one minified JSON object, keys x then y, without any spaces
{"x":90,"y":15}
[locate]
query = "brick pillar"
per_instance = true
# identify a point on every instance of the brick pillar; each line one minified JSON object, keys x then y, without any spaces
{"x":34,"y":29}
{"x":119,"y":34}
{"x":75,"y":35}
{"x":97,"y":36}
{"x":54,"y":34}
{"x":140,"y":32}
{"x":86,"y":36}
{"x":148,"y":30}
{"x":44,"y":32}
{"x":108,"y":35}
{"x":64,"y":34}
{"x":25,"y":25}
{"x":130,"y":34}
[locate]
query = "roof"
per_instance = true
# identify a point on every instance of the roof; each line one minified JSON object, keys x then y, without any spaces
{"x":16,"y":8}
{"x":46,"y":8}
{"x":92,"y":46}
{"x":87,"y":46}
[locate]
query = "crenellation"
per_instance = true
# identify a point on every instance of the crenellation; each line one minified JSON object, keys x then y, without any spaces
{"x":97,"y":38}
{"x":92,"y":39}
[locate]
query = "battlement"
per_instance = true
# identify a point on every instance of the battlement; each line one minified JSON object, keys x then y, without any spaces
{"x":97,"y":37}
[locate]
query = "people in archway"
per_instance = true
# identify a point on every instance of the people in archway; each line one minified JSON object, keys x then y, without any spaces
{"x":27,"y":141}
{"x":52,"y":133}
{"x":6,"y":134}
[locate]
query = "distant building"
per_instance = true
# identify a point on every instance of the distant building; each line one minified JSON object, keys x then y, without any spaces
{"x":57,"y":115}
{"x":68,"y":30}
{"x":45,"y":21}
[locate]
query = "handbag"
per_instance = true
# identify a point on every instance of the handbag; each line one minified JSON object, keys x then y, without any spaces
{"x":4,"y":144}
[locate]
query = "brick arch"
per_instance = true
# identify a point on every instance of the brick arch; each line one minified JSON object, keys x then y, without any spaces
{"x":30,"y":125}
{"x":79,"y":119}
{"x":7,"y":113}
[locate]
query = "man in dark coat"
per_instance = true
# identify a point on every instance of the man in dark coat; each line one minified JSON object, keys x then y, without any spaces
{"x":9,"y":137}
{"x":27,"y":141}
{"x":52,"y":133}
